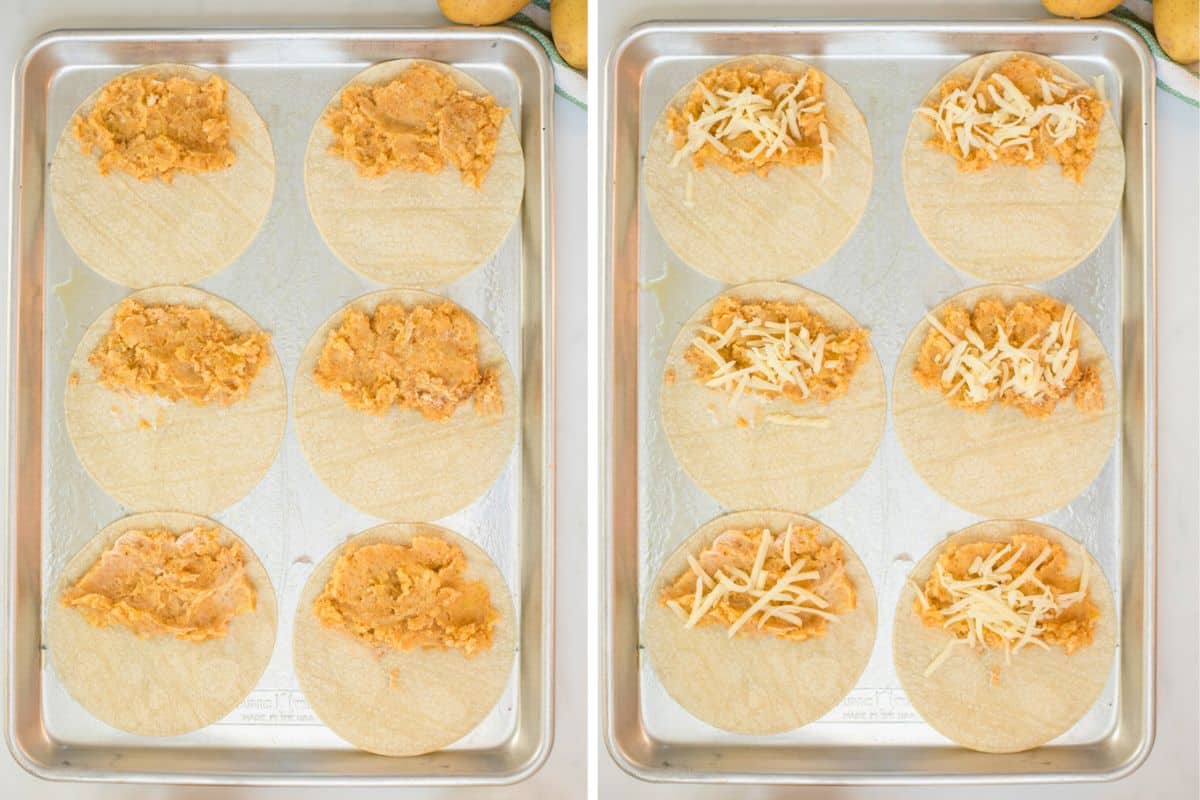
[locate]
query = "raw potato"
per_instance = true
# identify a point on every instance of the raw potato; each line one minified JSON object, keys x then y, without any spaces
{"x":757,"y":685}
{"x":1177,"y":24}
{"x":1080,"y":9}
{"x":161,"y":686}
{"x":1040,"y":695}
{"x":568,"y":25}
{"x":480,"y":12}
{"x":402,"y":702}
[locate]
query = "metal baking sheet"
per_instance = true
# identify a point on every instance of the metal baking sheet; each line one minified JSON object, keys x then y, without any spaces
{"x":290,"y":283}
{"x":887,"y":277}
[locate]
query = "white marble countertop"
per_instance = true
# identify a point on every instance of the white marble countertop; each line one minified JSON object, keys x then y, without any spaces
{"x":563,"y":775}
{"x":1171,"y":770}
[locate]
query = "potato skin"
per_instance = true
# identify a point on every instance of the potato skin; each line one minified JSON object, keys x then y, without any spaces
{"x":1080,"y":9}
{"x":480,"y":12}
{"x":569,"y":25}
{"x":1177,"y":25}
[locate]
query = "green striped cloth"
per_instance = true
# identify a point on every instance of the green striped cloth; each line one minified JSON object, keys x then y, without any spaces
{"x":1180,"y":80}
{"x":569,"y":82}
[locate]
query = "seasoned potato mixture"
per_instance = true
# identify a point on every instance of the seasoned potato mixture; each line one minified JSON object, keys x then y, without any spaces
{"x":425,"y":358}
{"x":776,"y":349}
{"x":158,"y":583}
{"x":1021,"y":114}
{"x":151,"y":127}
{"x":404,"y":596}
{"x":419,"y":122}
{"x":179,"y":352}
{"x":761,"y":583}
{"x":748,"y":120}
{"x":1008,"y":595}
{"x":1025,"y":356}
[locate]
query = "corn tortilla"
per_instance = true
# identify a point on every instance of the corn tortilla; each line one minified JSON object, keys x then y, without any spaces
{"x":401,"y":466}
{"x":741,"y":228}
{"x":412,"y":228}
{"x":757,"y":685}
{"x":1000,"y":462}
{"x":766,"y":465}
{"x":1011,"y":223}
{"x":1039,"y":696}
{"x":402,"y":702}
{"x":148,"y":233}
{"x":151,"y":454}
{"x":162,"y":686}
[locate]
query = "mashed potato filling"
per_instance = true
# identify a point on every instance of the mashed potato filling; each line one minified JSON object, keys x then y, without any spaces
{"x":749,"y":120}
{"x":158,"y":583}
{"x":1008,"y":595}
{"x":407,"y":596}
{"x":1026,"y":356}
{"x":154,"y":128}
{"x":425,"y":358}
{"x":1022,"y":114}
{"x":419,"y":122}
{"x":179,"y":352}
{"x":775,"y":349}
{"x":758,"y":583}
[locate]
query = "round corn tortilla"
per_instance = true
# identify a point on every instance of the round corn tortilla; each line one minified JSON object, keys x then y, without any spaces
{"x":1000,"y":462}
{"x":161,"y":686}
{"x":148,"y":233}
{"x":412,"y":228}
{"x":1040,"y":695}
{"x":1011,"y":223}
{"x":757,"y":685}
{"x":767,"y":465}
{"x":741,"y":228}
{"x":402,"y":702}
{"x":399,"y":465}
{"x":150,"y":454}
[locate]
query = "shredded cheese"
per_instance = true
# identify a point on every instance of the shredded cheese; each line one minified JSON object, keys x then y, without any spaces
{"x":941,"y":657}
{"x":1027,"y":356}
{"x":792,"y":420}
{"x":1029,"y":369}
{"x":827,"y":150}
{"x":775,"y":350}
{"x":787,"y":585}
{"x":780,"y":355}
{"x":1002,"y":602}
{"x":759,"y":123}
{"x":992,"y":119}
{"x":993,"y":114}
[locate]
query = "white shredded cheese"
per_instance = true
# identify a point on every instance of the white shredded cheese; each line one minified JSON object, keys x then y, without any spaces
{"x":992,"y":113}
{"x":781,"y":354}
{"x":827,"y":150}
{"x":988,"y":599}
{"x":941,"y":657}
{"x":785,"y":599}
{"x":774,"y":123}
{"x":794,"y":421}
{"x":1029,"y":369}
